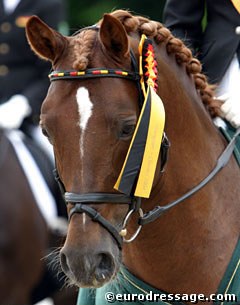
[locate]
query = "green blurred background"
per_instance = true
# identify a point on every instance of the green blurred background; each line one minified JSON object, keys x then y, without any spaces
{"x":84,"y":12}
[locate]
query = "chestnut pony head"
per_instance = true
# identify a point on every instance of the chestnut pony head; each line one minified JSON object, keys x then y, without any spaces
{"x":90,"y":123}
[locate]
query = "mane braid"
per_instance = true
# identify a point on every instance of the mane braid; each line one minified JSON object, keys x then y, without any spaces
{"x":183,"y":55}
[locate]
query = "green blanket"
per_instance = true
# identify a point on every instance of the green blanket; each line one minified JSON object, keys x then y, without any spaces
{"x":127,"y":283}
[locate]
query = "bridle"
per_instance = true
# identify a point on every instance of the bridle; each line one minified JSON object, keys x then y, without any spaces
{"x":80,"y":205}
{"x":81,"y":202}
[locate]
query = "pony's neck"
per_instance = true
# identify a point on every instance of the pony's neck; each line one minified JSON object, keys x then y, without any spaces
{"x":177,"y":246}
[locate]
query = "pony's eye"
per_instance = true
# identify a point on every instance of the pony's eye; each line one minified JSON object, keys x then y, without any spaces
{"x":44,"y":132}
{"x":127,"y":131}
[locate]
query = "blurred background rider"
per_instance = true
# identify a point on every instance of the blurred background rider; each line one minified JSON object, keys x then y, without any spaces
{"x":23,"y":76}
{"x":23,"y":87}
{"x":211,"y":28}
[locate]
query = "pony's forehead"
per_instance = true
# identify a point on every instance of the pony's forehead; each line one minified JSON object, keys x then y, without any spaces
{"x":84,"y":50}
{"x":77,"y":51}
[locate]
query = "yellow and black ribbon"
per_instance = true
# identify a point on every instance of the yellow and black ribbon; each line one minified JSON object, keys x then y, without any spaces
{"x":138,"y":171}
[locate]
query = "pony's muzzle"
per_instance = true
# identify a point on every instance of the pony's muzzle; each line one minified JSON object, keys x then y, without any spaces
{"x":88,"y":270}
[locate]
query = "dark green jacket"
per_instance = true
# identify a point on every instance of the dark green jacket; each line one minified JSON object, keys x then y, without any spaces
{"x":218,"y":43}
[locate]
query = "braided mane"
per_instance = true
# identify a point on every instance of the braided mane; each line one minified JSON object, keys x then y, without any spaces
{"x":159,"y":34}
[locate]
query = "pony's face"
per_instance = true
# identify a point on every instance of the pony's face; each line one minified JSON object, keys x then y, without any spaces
{"x":90,"y":123}
{"x":90,"y":127}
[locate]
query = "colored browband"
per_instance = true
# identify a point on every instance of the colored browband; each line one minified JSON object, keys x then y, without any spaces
{"x":90,"y":73}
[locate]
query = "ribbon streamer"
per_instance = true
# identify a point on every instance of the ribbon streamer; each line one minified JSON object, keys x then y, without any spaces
{"x":141,"y":161}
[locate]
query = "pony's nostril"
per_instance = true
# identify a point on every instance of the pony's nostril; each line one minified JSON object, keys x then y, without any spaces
{"x":106,"y":261}
{"x":105,"y":267}
{"x":64,"y":264}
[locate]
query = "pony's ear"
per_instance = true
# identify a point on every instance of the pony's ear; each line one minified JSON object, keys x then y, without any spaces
{"x":44,"y":41}
{"x":114,"y":37}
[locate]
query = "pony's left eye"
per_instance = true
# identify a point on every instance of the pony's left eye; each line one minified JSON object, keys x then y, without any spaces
{"x":45,"y":133}
{"x":127,"y":131}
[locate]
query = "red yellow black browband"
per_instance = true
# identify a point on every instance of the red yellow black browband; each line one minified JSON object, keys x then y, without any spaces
{"x":93,"y":73}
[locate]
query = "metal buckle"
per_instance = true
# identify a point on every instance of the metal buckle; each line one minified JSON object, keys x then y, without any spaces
{"x":123,"y":232}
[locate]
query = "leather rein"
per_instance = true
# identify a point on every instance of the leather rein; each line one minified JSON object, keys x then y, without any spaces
{"x":81,"y":202}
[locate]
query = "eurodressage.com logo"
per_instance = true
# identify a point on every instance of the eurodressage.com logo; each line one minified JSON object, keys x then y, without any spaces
{"x":156,"y":297}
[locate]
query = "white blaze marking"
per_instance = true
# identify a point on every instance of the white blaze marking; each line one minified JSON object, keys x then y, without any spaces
{"x":85,"y":111}
{"x":84,"y":220}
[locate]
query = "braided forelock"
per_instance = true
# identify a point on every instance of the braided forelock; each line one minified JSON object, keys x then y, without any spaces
{"x":83,"y":45}
{"x":174,"y":46}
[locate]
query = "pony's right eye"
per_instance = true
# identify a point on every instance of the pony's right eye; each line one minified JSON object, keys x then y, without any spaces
{"x":127,"y":131}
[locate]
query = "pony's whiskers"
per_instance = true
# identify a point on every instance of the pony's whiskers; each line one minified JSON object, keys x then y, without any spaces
{"x":53,"y":263}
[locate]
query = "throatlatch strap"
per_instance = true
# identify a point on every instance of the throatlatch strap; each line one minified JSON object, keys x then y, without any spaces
{"x":143,"y":152}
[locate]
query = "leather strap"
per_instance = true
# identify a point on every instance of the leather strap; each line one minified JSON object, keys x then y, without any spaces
{"x":221,"y":162}
{"x":95,"y":216}
{"x":97,"y":198}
